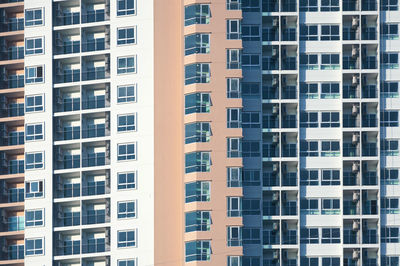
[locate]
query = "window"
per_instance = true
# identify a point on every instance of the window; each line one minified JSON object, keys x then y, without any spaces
{"x":308,"y":32}
{"x":251,"y":148}
{"x":234,"y":175}
{"x":309,"y":61}
{"x":251,"y":5}
{"x":389,"y":119}
{"x":197,"y":132}
{"x":233,"y":29}
{"x":330,"y":206}
{"x":305,"y":261}
{"x":197,"y":44}
{"x":199,"y":250}
{"x":33,"y":17}
{"x":234,"y":117}
{"x":197,"y":14}
{"x":309,"y":148}
{"x":233,"y":88}
{"x":233,"y":58}
{"x":34,"y":46}
{"x":309,"y":236}
{"x":390,"y":260}
{"x":126,"y":151}
{"x":34,"y":103}
{"x":309,"y":91}
{"x":390,"y":147}
{"x":308,"y":5}
{"x":251,"y":120}
{"x":234,"y":147}
{"x":331,"y":261}
{"x":390,"y":176}
{"x":126,"y":65}
{"x":197,"y":221}
{"x":126,"y":209}
{"x":126,"y":7}
{"x":34,"y":132}
{"x":197,"y":73}
{"x":309,"y":206}
{"x":330,"y":177}
{"x":251,"y":236}
{"x":34,"y":189}
{"x":330,"y":32}
{"x":126,"y":94}
{"x":197,"y":103}
{"x":126,"y":123}
{"x":197,"y":191}
{"x":390,"y":205}
{"x":197,"y":162}
{"x":330,"y":91}
{"x":128,"y":262}
{"x":34,"y":246}
{"x":390,"y":31}
{"x":330,"y":119}
{"x":127,"y":180}
{"x":126,"y":239}
{"x":251,"y":207}
{"x":390,"y":89}
{"x":250,"y":89}
{"x":330,"y":236}
{"x":330,"y":61}
{"x":33,"y":218}
{"x":33,"y":74}
{"x":126,"y":36}
{"x":390,"y":234}
{"x":251,"y":177}
{"x":309,"y":177}
{"x":329,"y":5}
{"x":389,"y":5}
{"x":250,"y":33}
{"x":390,"y":60}
{"x":234,"y":206}
{"x":235,"y":260}
{"x":34,"y":160}
{"x":234,"y":236}
{"x":250,"y":61}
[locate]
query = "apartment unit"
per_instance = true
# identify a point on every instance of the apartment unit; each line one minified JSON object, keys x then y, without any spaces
{"x":199,"y":132}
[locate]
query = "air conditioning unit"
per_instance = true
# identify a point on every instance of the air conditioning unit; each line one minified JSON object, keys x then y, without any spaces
{"x":355,"y":139}
{"x":275,"y":255}
{"x":275,"y":22}
{"x":274,"y":52}
{"x":354,"y":80}
{"x":274,"y":81}
{"x":354,"y":22}
{"x":354,"y":51}
{"x":356,"y":254}
{"x":275,"y":167}
{"x":275,"y":197}
{"x":354,"y":110}
{"x":356,"y":196}
{"x":356,"y":225}
{"x":275,"y":226}
{"x":275,"y":138}
{"x":275,"y":109}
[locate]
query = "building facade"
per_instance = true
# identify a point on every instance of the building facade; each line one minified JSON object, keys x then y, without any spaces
{"x":199,"y":132}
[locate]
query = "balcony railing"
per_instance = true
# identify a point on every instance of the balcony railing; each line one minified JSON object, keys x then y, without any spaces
{"x":370,"y":62}
{"x":95,"y":131}
{"x":270,"y":6}
{"x":69,"y":104}
{"x":349,"y":208}
{"x":96,"y":188}
{"x":69,"y":47}
{"x":350,"y":179}
{"x":13,"y":167}
{"x":94,"y":16}
{"x":15,"y":223}
{"x":270,"y":150}
{"x":350,"y":5}
{"x":13,"y":195}
{"x":270,"y":179}
{"x":289,"y":179}
{"x":69,"y":133}
{"x":72,"y":247}
{"x":13,"y":138}
{"x":369,"y":149}
{"x":98,"y":217}
{"x":68,"y":19}
{"x":98,"y":44}
{"x":69,"y":162}
{"x":270,"y":121}
{"x":289,"y":208}
{"x":349,"y":34}
{"x":369,"y":34}
{"x":14,"y":252}
{"x":350,"y":63}
{"x":289,"y":150}
{"x":95,"y":246}
{"x":69,"y":191}
{"x":289,"y":34}
{"x":95,"y":102}
{"x":69,"y":75}
{"x":350,"y":92}
{"x":369,"y":91}
{"x":289,"y":63}
{"x":95,"y":73}
{"x":270,"y":92}
{"x":270,"y":208}
{"x":270,"y":34}
{"x":69,"y":219}
{"x":13,"y":53}
{"x":95,"y":159}
{"x":14,"y":24}
{"x":13,"y":110}
{"x":350,"y":236}
{"x":271,"y":237}
{"x":270,"y":63}
{"x":350,"y":121}
{"x":289,"y":121}
{"x":369,"y":120}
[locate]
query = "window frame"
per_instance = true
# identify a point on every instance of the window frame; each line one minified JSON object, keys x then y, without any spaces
{"x":34,"y":136}
{"x":36,"y":251}
{"x":39,"y":192}
{"x":127,"y":243}
{"x":124,"y":262}
{"x":127,"y":127}
{"x":35,"y":79}
{"x":127,"y":40}
{"x":127,"y":69}
{"x":127,"y":98}
{"x":34,"y":50}
{"x":35,"y":222}
{"x":127,"y":156}
{"x":35,"y":108}
{"x":35,"y":165}
{"x":41,"y":20}
{"x":126,"y":11}
{"x":127,"y":184}
{"x":122,"y":215}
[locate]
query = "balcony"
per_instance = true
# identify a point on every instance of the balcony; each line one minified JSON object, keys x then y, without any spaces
{"x":350,"y":63}
{"x":350,"y":92}
{"x":370,"y":62}
{"x":68,"y":75}
{"x":350,"y":150}
{"x":369,"y":149}
{"x":12,"y":195}
{"x":289,"y":34}
{"x":288,"y":6}
{"x":369,"y":207}
{"x":13,"y":224}
{"x":289,"y":63}
{"x":369,"y":5}
{"x":270,"y":63}
{"x":68,"y":161}
{"x":369,"y":34}
{"x":95,"y":188}
{"x":68,"y":219}
{"x":270,"y":121}
{"x":289,"y":121}
{"x":271,"y":237}
{"x":270,"y":208}
{"x":289,"y":208}
{"x":289,"y":179}
{"x":270,"y":150}
{"x":12,"y":167}
{"x":369,"y":91}
{"x":12,"y":252}
{"x":369,"y":120}
{"x":69,"y":247}
{"x":270,"y":179}
{"x":68,"y":104}
{"x":12,"y":81}
{"x":270,"y":92}
{"x":96,"y":131}
{"x":289,"y":238}
{"x":13,"y":110}
{"x":370,"y":236}
{"x":95,"y":102}
{"x":350,"y":208}
{"x":350,"y":236}
{"x":350,"y":5}
{"x":350,"y":34}
{"x":68,"y":47}
{"x":350,"y":179}
{"x":289,"y":150}
{"x":289,"y":92}
{"x":270,"y":6}
{"x":350,"y":121}
{"x":65,"y":18}
{"x":13,"y":138}
{"x":68,"y":133}
{"x":68,"y":190}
